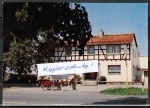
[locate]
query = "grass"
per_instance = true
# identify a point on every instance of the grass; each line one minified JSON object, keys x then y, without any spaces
{"x":125,"y":91}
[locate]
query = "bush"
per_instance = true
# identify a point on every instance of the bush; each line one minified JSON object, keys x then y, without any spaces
{"x":102,"y":78}
{"x":138,"y":77}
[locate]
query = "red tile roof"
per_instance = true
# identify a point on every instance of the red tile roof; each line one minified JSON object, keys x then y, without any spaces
{"x":112,"y":39}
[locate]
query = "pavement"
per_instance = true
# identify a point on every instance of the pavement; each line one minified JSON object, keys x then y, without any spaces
{"x":79,"y":87}
{"x":90,"y":92}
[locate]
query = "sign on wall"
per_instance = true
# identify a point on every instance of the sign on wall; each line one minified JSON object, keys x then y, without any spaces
{"x":67,"y":68}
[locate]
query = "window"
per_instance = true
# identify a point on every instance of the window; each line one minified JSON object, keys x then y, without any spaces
{"x":113,"y":49}
{"x":145,"y":73}
{"x":68,"y":51}
{"x":90,"y":50}
{"x":110,"y":49}
{"x":117,"y":49}
{"x":133,"y":71}
{"x":114,"y":69}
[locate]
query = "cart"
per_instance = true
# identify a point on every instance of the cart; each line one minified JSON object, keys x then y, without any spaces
{"x":56,"y":82}
{"x":50,"y":84}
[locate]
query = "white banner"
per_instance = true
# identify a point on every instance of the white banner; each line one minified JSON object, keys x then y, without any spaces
{"x":67,"y":68}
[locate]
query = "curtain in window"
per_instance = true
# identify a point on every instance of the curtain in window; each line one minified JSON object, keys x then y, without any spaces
{"x":110,"y":49}
{"x":91,"y":50}
{"x":114,"y":69}
{"x":117,"y":69}
{"x":109,"y":69}
{"x":117,"y":49}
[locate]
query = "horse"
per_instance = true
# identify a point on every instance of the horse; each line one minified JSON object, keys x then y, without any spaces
{"x":71,"y":82}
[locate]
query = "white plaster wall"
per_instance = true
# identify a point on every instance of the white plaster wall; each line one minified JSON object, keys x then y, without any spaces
{"x":146,"y":82}
{"x":118,"y":77}
{"x":134,"y":58}
{"x":143,"y":62}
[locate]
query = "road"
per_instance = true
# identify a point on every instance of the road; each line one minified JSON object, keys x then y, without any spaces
{"x":84,"y":95}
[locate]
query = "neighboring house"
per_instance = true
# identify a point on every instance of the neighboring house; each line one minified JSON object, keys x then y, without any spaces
{"x":109,"y":51}
{"x":143,"y":68}
{"x":143,"y":65}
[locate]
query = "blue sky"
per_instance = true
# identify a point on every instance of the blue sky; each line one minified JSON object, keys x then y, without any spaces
{"x":120,"y":18}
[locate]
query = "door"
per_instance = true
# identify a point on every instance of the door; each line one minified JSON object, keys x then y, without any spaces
{"x":93,"y":75}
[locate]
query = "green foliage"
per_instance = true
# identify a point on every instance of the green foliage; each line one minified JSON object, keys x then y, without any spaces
{"x":67,"y":20}
{"x":22,"y":14}
{"x":26,"y":22}
{"x":138,"y":76}
{"x":23,"y":54}
{"x":17,"y":57}
{"x":125,"y":91}
{"x":102,"y":78}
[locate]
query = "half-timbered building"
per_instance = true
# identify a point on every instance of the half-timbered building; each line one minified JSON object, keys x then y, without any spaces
{"x":109,"y":50}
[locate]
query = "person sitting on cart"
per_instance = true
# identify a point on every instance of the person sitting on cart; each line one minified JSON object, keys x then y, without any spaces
{"x":52,"y":79}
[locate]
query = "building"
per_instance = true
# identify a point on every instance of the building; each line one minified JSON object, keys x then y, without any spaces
{"x":143,"y":68}
{"x":109,"y":50}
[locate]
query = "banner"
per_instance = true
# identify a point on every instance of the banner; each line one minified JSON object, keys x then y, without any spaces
{"x":67,"y":68}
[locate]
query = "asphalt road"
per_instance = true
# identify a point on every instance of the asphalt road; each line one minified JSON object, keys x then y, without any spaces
{"x":84,"y":95}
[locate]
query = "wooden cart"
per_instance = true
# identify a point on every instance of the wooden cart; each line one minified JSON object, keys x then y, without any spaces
{"x":58,"y":83}
{"x":50,"y":84}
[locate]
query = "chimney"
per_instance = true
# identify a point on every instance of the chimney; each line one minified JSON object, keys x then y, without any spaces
{"x":101,"y":33}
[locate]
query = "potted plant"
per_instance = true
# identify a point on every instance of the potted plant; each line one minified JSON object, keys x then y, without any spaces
{"x":138,"y":77}
{"x":102,"y":78}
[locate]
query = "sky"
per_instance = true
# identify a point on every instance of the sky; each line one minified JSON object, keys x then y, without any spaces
{"x":120,"y":18}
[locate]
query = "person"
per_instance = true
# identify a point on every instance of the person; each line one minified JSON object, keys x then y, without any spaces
{"x":74,"y":82}
{"x":51,"y":78}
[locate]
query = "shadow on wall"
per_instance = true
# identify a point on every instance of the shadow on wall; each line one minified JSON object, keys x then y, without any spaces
{"x":123,"y":101}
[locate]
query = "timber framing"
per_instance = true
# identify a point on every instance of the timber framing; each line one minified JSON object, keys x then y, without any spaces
{"x":100,"y":53}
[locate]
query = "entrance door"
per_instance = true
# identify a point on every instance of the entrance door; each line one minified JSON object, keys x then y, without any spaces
{"x":91,"y":75}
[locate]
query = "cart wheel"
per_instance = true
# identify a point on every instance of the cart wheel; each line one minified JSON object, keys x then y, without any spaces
{"x":42,"y":87}
{"x":52,"y":87}
{"x":48,"y":87}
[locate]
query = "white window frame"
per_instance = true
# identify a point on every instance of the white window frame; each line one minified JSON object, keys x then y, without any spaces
{"x":114,"y":69}
{"x":113,"y":49}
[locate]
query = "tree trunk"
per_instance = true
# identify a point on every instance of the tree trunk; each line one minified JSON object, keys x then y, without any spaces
{"x":4,"y":70}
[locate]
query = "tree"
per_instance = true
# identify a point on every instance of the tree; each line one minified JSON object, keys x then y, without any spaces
{"x":23,"y":25}
{"x":66,"y":20}
{"x":23,"y":54}
{"x":17,"y":59}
